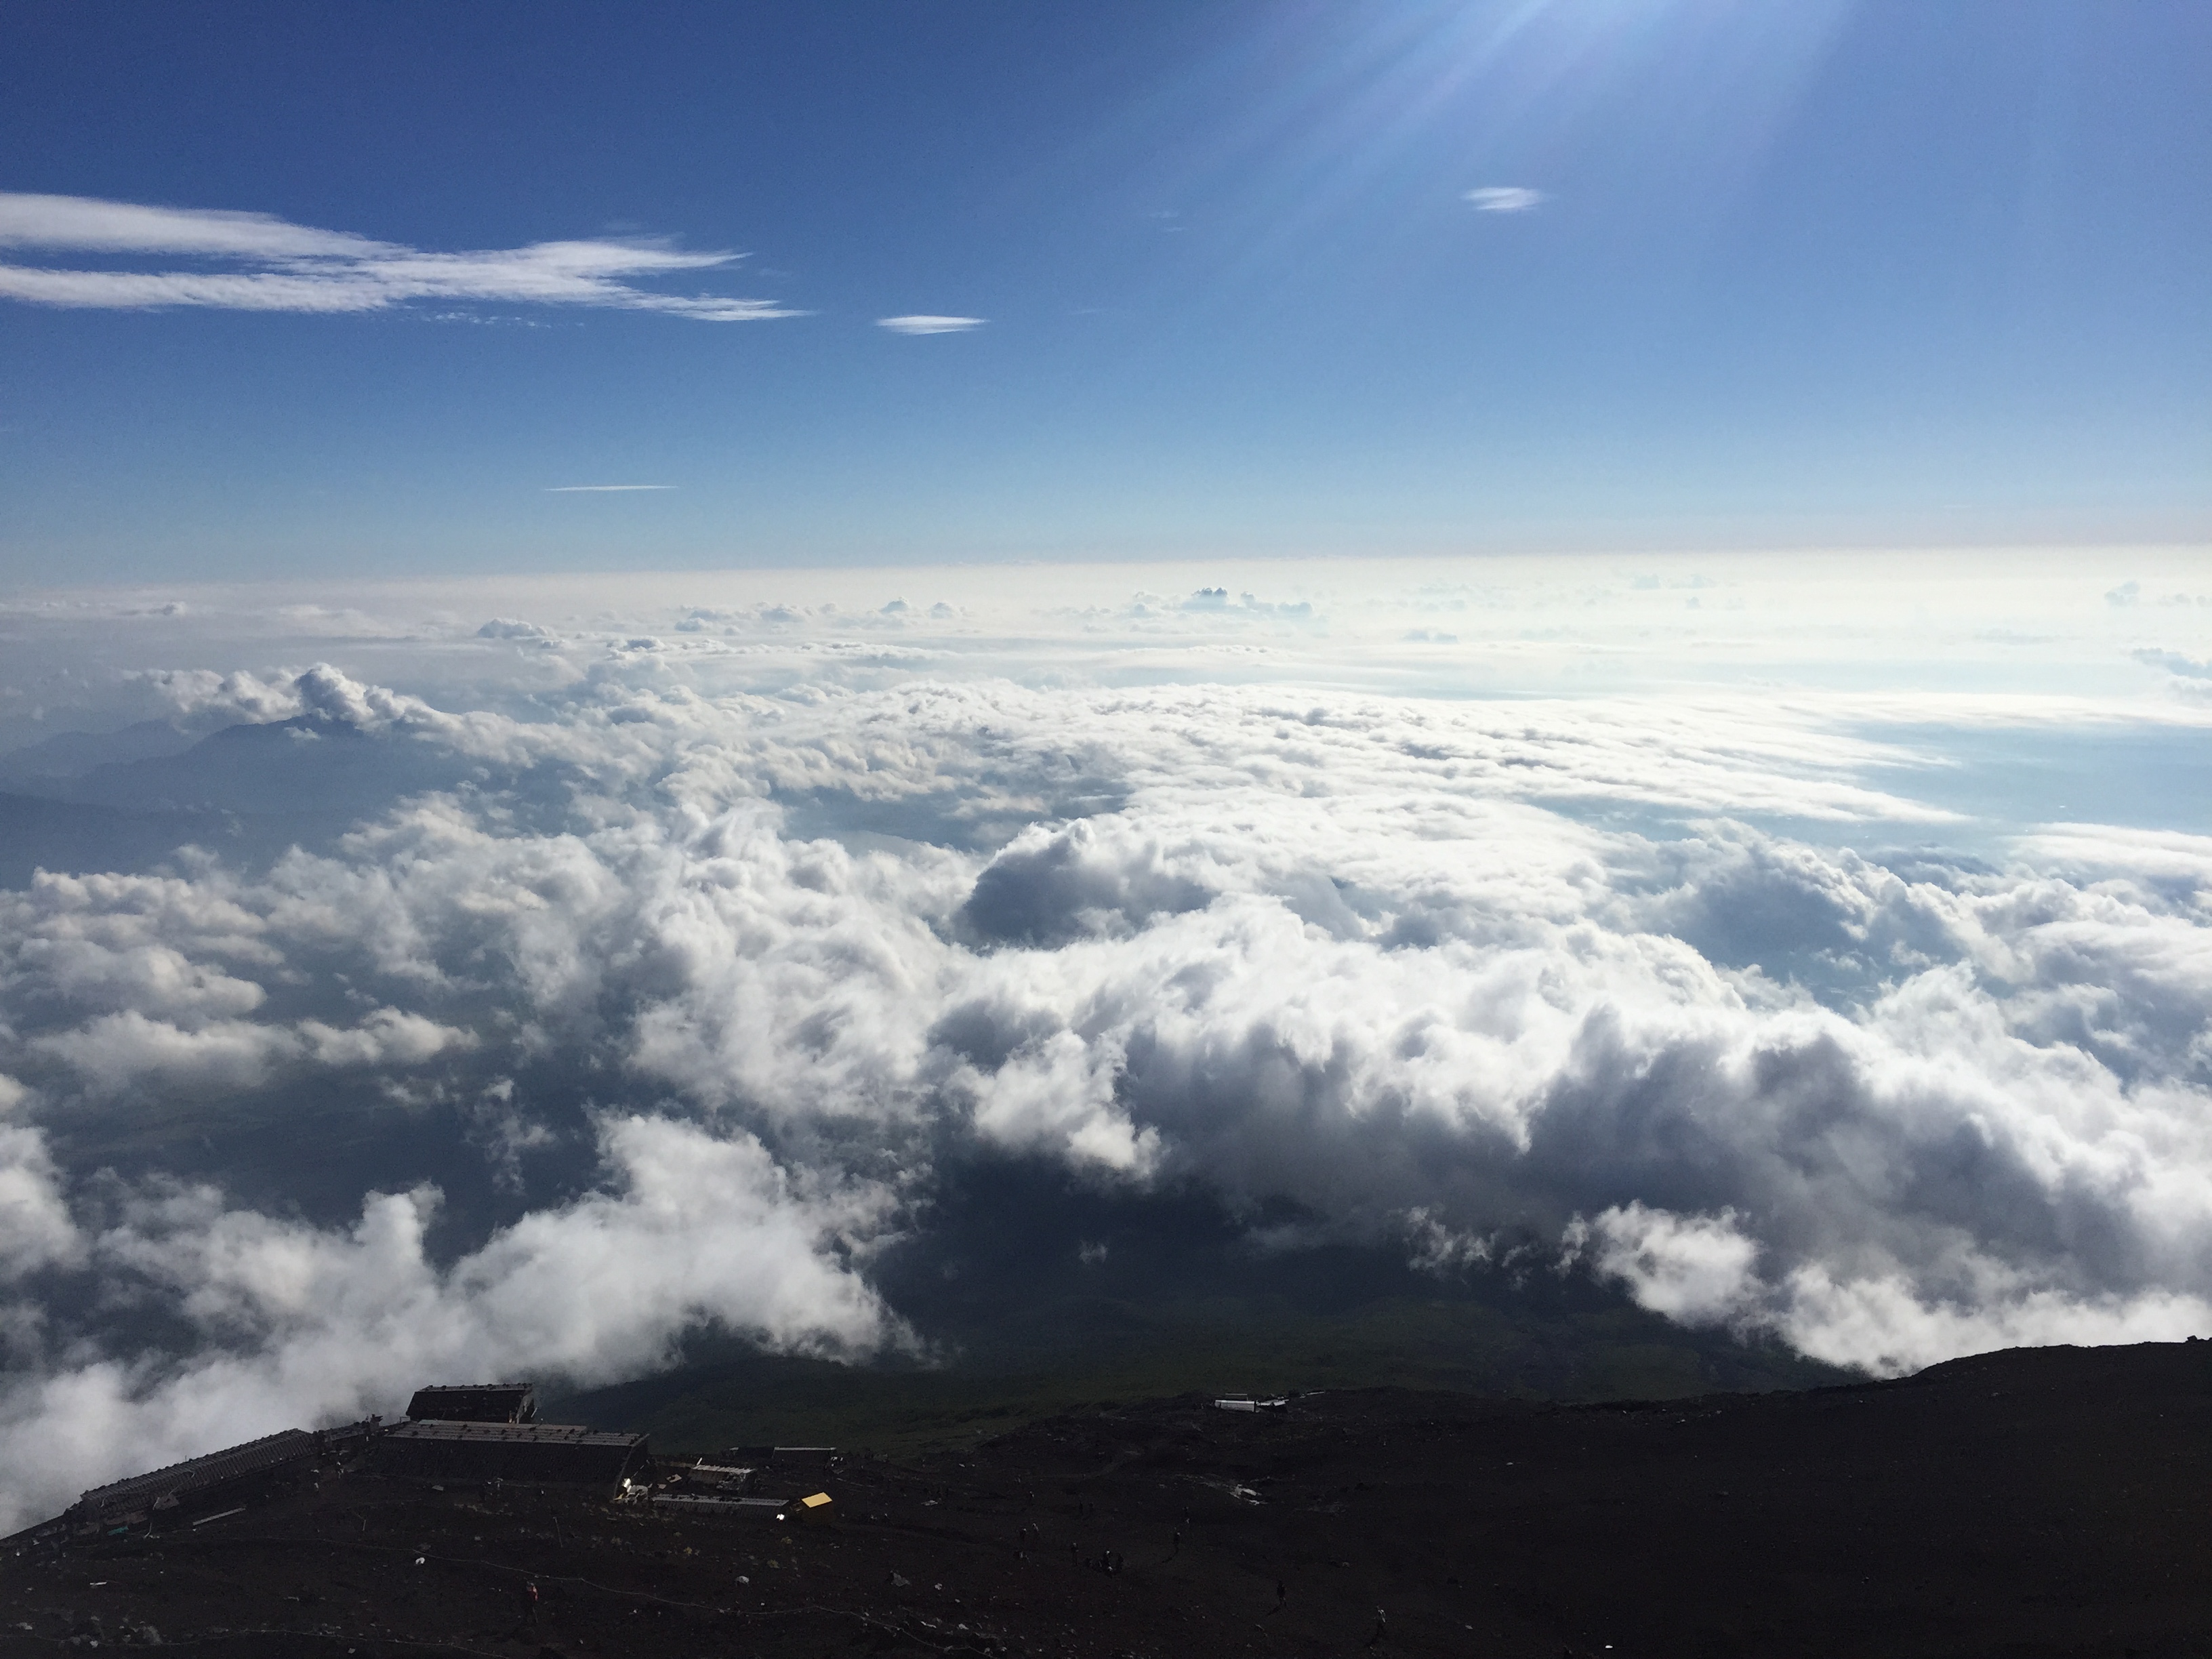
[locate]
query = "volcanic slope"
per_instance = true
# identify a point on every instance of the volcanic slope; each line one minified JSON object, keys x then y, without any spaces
{"x":2028,"y":1503}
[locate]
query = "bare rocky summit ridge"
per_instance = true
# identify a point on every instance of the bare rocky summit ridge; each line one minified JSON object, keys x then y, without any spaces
{"x":2038,"y":1502}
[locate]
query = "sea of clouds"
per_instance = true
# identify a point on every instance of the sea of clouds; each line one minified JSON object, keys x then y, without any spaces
{"x":1818,"y":946}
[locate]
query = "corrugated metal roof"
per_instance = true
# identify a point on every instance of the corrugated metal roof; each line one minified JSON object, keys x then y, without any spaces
{"x":254,"y":1456}
{"x":510,"y":1451}
{"x":718,"y":1474}
{"x":719,"y":1505}
{"x":770,"y":1456}
{"x":534,"y":1434}
{"x":475,"y":1402}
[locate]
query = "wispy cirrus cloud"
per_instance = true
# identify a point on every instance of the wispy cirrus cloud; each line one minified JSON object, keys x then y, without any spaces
{"x":277,"y":265}
{"x":1505,"y":198}
{"x":927,"y":324}
{"x":601,"y":490}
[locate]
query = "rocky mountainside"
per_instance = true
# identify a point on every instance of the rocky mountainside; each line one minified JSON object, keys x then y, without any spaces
{"x":2035,"y":1502}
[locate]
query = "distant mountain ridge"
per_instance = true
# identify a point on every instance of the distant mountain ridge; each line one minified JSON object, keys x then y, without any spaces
{"x":125,"y":802}
{"x":72,"y":754}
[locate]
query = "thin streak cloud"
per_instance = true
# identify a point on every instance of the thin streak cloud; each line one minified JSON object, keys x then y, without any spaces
{"x":927,"y":325}
{"x":1505,"y":198}
{"x":601,"y":490}
{"x":302,"y":269}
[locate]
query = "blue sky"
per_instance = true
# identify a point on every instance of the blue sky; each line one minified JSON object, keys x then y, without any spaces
{"x":1814,"y":274}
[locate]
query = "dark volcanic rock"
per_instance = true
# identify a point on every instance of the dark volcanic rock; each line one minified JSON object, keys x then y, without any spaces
{"x":2040,"y":1502}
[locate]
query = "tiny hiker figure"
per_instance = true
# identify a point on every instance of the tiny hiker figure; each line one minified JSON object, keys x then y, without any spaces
{"x":529,"y":1599}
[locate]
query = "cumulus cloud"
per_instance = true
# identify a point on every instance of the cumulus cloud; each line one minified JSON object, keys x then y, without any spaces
{"x":1697,"y":1269}
{"x":36,"y":1229}
{"x":1701,"y":1270}
{"x":2175,"y":662}
{"x":920,"y":324}
{"x":289,"y":267}
{"x":320,"y":690}
{"x":1693,"y":986}
{"x":329,"y":1324}
{"x":1505,"y":198}
{"x":511,"y":627}
{"x":116,"y":1050}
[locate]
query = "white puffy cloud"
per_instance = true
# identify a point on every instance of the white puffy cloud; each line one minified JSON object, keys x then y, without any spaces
{"x":1316,"y":951}
{"x":118,"y":1051}
{"x":1697,"y":980}
{"x":154,"y":976}
{"x":206,"y":697}
{"x":235,"y":696}
{"x":36,"y":1228}
{"x":1702,"y":1270}
{"x":387,"y":1037}
{"x":1699,"y":1269}
{"x":510,"y":628}
{"x":327,"y":1325}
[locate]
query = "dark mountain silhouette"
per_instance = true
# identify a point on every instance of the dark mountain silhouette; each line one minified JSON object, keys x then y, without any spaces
{"x":2034,"y":1503}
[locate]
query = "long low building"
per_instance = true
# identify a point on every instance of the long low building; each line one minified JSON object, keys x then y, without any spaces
{"x":198,"y":1481}
{"x":686,"y":1503}
{"x":781,"y":1458}
{"x":475,"y":1402}
{"x":566,"y":1453}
